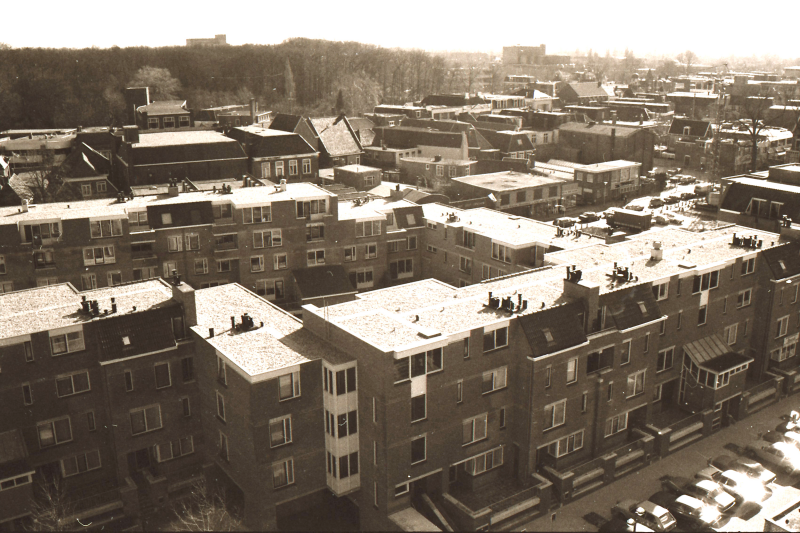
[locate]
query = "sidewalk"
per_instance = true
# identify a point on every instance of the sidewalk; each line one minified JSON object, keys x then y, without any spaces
{"x":643,"y":483}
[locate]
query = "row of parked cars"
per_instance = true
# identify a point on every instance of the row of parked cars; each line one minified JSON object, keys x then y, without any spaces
{"x":707,"y":501}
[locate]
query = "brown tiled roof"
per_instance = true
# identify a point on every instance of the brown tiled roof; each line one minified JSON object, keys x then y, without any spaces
{"x":285,"y":122}
{"x":146,"y":333}
{"x":561,"y":322}
{"x":336,"y":137}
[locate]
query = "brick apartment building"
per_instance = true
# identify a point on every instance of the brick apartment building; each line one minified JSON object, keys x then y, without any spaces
{"x":256,"y":236}
{"x":512,"y":380}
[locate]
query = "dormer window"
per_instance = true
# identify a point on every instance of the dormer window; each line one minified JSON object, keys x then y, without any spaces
{"x":548,"y":335}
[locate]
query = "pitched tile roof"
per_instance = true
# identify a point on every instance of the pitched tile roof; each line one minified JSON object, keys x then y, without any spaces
{"x":262,"y":142}
{"x":632,"y":306}
{"x":285,"y":122}
{"x":597,"y":129}
{"x":324,"y":280}
{"x":507,"y":141}
{"x":146,"y":333}
{"x":783,"y":260}
{"x":403,"y":137}
{"x":184,"y":146}
{"x":587,"y":89}
{"x":742,"y":190}
{"x":554,"y":330}
{"x":699,"y":128}
{"x":336,"y":136}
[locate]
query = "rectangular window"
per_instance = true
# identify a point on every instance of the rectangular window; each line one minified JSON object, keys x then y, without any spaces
{"x":315,"y":232}
{"x":222,"y":211}
{"x":501,"y":252}
{"x":220,"y":406}
{"x":187,"y":369}
{"x":665,"y":359}
{"x":702,"y":313}
{"x":223,"y":446}
{"x":105,"y":228}
{"x":368,"y":228}
{"x":555,"y":414}
{"x":465,"y":265}
{"x":78,"y":464}
{"x":548,"y":374}
{"x":494,"y":380}
{"x":293,"y":167}
{"x":315,"y":257}
{"x":370,"y":251}
{"x":460,"y":391}
{"x":730,"y":334}
{"x":267,"y":239}
{"x":280,"y":431}
{"x":350,"y":253}
{"x":748,"y":266}
{"x":186,"y":407}
{"x":306,"y":166}
{"x":474,"y":429}
{"x":145,"y":419}
{"x":137,"y":219}
{"x":312,"y":207}
{"x":625,"y":353}
{"x":223,"y":265}
{"x":418,"y":408}
{"x":257,"y":215}
{"x":226,"y":242}
{"x":175,"y":243}
{"x":418,"y":450}
{"x":467,"y":239}
{"x":99,"y":255}
{"x":709,"y":280}
{"x":616,"y":424}
{"x":283,"y":472}
{"x":72,"y":384}
{"x":743,"y":299}
{"x":572,"y":370}
{"x":128,"y":381}
{"x":289,"y":386}
{"x":466,"y":348}
{"x":584,"y":401}
{"x":502,"y":417}
{"x":257,"y":263}
{"x":67,"y":343}
{"x":44,"y":259}
{"x":54,"y":432}
{"x":661,"y":291}
{"x":28,"y":347}
{"x":497,"y":338}
{"x":566,"y":445}
{"x":27,"y":394}
{"x":401,"y":269}
{"x":163,"y":377}
{"x":783,"y":326}
{"x":635,"y":385}
{"x":610,"y":390}
{"x":279,"y":169}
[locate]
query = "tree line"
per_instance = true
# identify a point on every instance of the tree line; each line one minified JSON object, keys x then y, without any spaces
{"x":54,"y":88}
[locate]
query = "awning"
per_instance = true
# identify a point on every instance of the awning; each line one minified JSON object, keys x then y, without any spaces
{"x":712,"y":353}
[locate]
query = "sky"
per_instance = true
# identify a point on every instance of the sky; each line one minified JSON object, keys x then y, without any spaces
{"x":710,"y":28}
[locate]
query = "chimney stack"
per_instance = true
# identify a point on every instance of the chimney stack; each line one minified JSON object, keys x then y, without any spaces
{"x":253,"y":110}
{"x":656,"y":254}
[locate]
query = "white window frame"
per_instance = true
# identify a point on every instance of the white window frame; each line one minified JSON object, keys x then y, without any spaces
{"x":107,"y":255}
{"x":744,"y":298}
{"x":71,"y":377}
{"x":497,"y":379}
{"x":256,"y":263}
{"x":280,"y":262}
{"x":661,"y":290}
{"x":783,"y":326}
{"x":293,"y":167}
{"x":273,"y":289}
{"x":635,"y":384}
{"x":350,"y":254}
{"x":285,"y":423}
{"x":730,"y":334}
{"x":621,"y":421}
{"x":493,"y":334}
{"x":203,"y":264}
{"x":475,"y":423}
{"x":671,"y":359}
{"x":102,"y":229}
{"x":315,"y":257}
{"x":306,"y":166}
{"x":572,"y":370}
{"x":551,"y":420}
{"x":294,"y":385}
{"x":70,"y":345}
{"x":169,"y":374}
{"x":268,"y":239}
{"x":287,"y":468}
{"x":566,"y":445}
{"x":77,"y":463}
{"x":264,"y":213}
{"x":143,"y":410}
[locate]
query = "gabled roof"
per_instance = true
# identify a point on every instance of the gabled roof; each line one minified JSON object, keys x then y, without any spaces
{"x":507,"y":141}
{"x":336,"y":135}
{"x":632,"y":307}
{"x":554,"y":329}
{"x":403,"y":137}
{"x":85,"y":162}
{"x":176,"y":147}
{"x":742,"y":190}
{"x":324,"y":280}
{"x":586,"y":89}
{"x":698,"y":128}
{"x":409,"y":217}
{"x":783,"y":260}
{"x":598,"y":129}
{"x":285,"y":122}
{"x":146,"y":333}
{"x":164,"y":107}
{"x":262,"y":142}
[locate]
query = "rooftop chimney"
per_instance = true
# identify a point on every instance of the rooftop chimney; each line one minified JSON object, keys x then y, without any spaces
{"x":253,"y":110}
{"x":656,"y":254}
{"x":184,"y":293}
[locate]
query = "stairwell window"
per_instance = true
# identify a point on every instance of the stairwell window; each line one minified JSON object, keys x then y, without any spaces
{"x":474,"y":429}
{"x":555,"y":414}
{"x":348,"y":465}
{"x":27,"y":394}
{"x":289,"y":386}
{"x":280,"y":431}
{"x":494,"y":380}
{"x":163,"y":376}
{"x":702,"y":315}
{"x":572,"y":370}
{"x":347,"y":424}
{"x":223,"y":446}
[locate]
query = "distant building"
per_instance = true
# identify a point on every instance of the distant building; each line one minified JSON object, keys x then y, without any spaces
{"x":218,"y":40}
{"x":608,"y":181}
{"x":582,"y":93}
{"x":275,"y":154}
{"x":231,"y":116}
{"x":164,"y":115}
{"x":597,"y":143}
{"x":512,"y":192}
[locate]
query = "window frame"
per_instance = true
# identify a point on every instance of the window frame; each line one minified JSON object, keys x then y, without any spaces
{"x":288,"y":472}
{"x":494,"y":379}
{"x":143,"y":410}
{"x":294,"y":384}
{"x":285,"y":423}
{"x":550,"y":420}
{"x":71,"y":377}
{"x":482,"y":418}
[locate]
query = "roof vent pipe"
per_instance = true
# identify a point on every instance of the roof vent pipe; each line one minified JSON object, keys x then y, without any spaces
{"x":210,"y":332}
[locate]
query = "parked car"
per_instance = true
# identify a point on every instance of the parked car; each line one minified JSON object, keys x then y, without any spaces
{"x":689,"y":511}
{"x":737,"y":484}
{"x":793,"y":424}
{"x":647,"y":513}
{"x":565,"y":222}
{"x":749,"y":467}
{"x":687,"y":180}
{"x":655,"y":202}
{"x":660,"y":219}
{"x":687,"y":195}
{"x":672,"y":199}
{"x":705,"y":490}
{"x":789,"y":437}
{"x":634,"y":207}
{"x":780,"y":454}
{"x":588,"y":216}
{"x":609,"y":213}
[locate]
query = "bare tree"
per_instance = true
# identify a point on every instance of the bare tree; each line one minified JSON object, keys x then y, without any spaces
{"x":51,"y":510}
{"x":687,"y":59}
{"x":204,"y":510}
{"x":160,"y":81}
